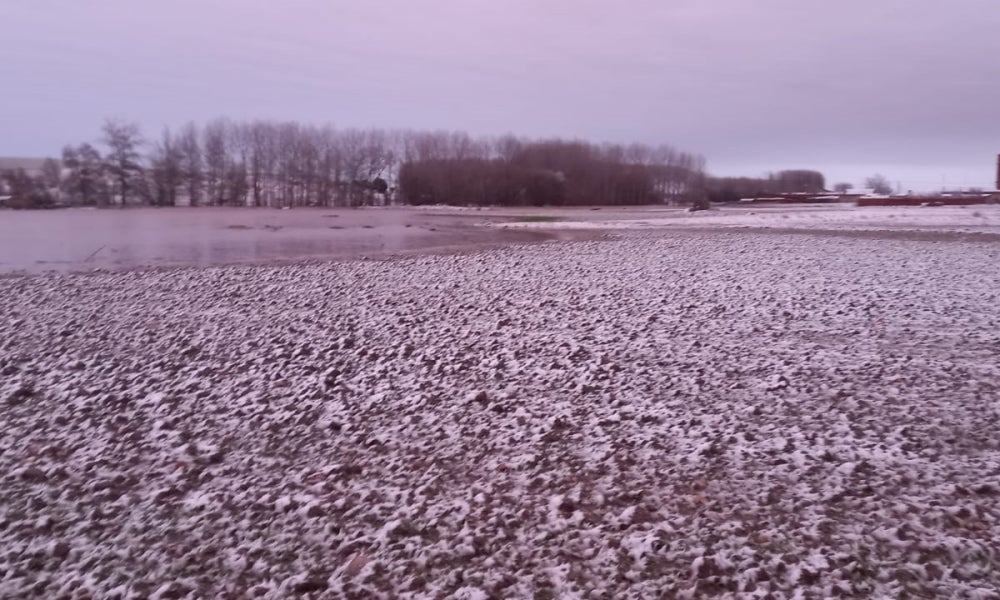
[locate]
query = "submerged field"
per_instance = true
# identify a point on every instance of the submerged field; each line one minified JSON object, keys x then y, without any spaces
{"x":661,"y":414}
{"x":86,"y":239}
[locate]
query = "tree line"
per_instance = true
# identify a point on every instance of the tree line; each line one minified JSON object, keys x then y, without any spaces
{"x":732,"y":189}
{"x":552,"y":173}
{"x":287,"y":164}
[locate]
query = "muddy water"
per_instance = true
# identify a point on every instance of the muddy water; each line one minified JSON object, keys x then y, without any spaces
{"x":87,"y":239}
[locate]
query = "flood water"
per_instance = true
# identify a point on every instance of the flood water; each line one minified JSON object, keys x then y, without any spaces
{"x":85,"y":239}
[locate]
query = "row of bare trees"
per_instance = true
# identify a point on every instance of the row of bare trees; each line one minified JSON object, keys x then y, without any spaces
{"x":284,"y":164}
{"x":225,"y":163}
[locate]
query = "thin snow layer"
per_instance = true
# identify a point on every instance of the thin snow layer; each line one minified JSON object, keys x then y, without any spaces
{"x":971,"y":219}
{"x":700,"y":415}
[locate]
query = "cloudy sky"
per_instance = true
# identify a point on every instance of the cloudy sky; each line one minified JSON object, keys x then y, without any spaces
{"x":908,"y":88}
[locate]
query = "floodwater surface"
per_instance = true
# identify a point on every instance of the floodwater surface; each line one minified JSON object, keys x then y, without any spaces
{"x":84,"y":239}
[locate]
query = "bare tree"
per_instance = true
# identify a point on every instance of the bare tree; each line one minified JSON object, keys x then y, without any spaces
{"x":307,"y":153}
{"x":287,"y":167}
{"x":85,"y":182}
{"x":842,"y":188}
{"x":123,"y":160}
{"x":878,"y":184}
{"x":378,"y":158}
{"x":506,"y":147}
{"x":214,"y":144}
{"x":352,"y":148}
{"x":165,"y":164}
{"x":51,"y":173}
{"x":263,"y":156}
{"x":797,"y":181}
{"x":191,"y":164}
{"x":426,"y":145}
{"x":236,"y":184}
{"x":638,"y":154}
{"x":327,"y":165}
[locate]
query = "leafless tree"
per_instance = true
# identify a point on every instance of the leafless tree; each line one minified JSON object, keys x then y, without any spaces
{"x":878,"y":184}
{"x":165,"y":167}
{"x":123,"y":160}
{"x":84,"y":183}
{"x":214,"y":144}
{"x":51,"y":173}
{"x":797,"y":181}
{"x":191,"y":165}
{"x":507,"y":147}
{"x":236,"y":185}
{"x":328,"y":165}
{"x":260,"y":137}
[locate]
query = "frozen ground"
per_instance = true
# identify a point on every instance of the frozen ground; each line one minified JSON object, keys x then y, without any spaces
{"x":691,"y":414}
{"x":984,"y":219}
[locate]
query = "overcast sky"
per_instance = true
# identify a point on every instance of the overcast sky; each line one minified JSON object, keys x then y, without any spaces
{"x":909,"y":88}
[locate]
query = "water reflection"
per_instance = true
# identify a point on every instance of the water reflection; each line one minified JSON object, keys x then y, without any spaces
{"x":85,"y":239}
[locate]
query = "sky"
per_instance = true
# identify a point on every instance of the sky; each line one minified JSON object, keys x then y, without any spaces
{"x":906,"y":88}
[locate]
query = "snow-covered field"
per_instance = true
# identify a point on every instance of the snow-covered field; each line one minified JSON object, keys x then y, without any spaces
{"x":966,"y":219}
{"x":680,"y":414}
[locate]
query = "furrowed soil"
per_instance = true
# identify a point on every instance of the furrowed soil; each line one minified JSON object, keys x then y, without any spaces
{"x":664,"y":414}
